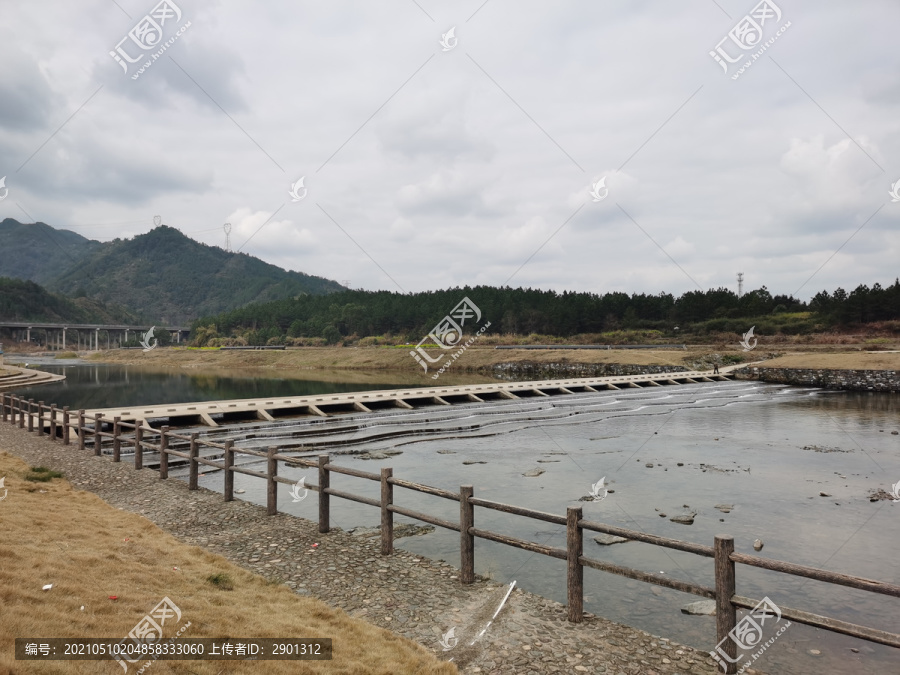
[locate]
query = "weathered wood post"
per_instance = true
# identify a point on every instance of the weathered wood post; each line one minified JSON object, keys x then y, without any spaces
{"x":229,"y":473}
{"x":324,"y":497}
{"x":271,"y":483}
{"x":31,"y":414}
{"x":53,"y":422}
{"x":387,"y":516}
{"x":164,"y":452}
{"x":21,"y":412}
{"x":138,"y":445}
{"x":466,"y":538}
{"x":726,"y":613}
{"x":2,"y":406}
{"x":193,"y":464}
{"x":65,"y":422}
{"x":81,"y":429}
{"x":575,"y":573}
{"x":40,"y":418}
{"x":98,"y":429}
{"x":117,"y":440}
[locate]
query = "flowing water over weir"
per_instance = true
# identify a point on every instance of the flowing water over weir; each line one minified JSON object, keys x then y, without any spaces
{"x":793,"y":467}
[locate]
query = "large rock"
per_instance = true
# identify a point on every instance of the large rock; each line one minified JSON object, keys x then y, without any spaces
{"x":700,"y":608}
{"x":609,"y":539}
{"x":533,"y":473}
{"x":724,"y":508}
{"x":686,"y":519}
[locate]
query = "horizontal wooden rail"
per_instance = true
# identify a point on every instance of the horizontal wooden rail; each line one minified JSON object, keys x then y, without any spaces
{"x":352,"y":472}
{"x":248,"y":472}
{"x":210,"y":462}
{"x":682,"y":586}
{"x":352,"y":497}
{"x":424,"y":517}
{"x":697,"y":549}
{"x":551,"y":551}
{"x":817,"y":621}
{"x":817,"y":574}
{"x":427,"y":489}
{"x":518,"y":511}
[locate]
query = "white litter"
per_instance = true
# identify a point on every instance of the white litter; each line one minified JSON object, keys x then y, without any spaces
{"x":47,"y":587}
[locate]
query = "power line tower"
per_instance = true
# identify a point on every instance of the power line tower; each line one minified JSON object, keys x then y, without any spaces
{"x":740,"y":278}
{"x":228,"y":237}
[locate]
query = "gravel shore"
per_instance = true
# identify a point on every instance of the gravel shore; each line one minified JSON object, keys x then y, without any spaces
{"x":410,"y":595}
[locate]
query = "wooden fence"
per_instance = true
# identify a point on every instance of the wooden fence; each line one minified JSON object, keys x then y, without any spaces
{"x":94,"y":429}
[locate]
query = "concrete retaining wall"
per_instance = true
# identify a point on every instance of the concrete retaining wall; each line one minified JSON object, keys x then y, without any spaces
{"x":857,"y":380}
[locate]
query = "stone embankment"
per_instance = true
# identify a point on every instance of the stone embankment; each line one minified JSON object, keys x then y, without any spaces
{"x":856,"y":380}
{"x":539,"y":371}
{"x":12,"y":377}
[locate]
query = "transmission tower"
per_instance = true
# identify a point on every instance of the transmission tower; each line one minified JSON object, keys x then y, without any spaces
{"x":228,"y":237}
{"x":740,"y":278}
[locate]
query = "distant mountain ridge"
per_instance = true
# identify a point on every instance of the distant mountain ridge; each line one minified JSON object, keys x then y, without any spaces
{"x":161,"y":276}
{"x":22,"y":300}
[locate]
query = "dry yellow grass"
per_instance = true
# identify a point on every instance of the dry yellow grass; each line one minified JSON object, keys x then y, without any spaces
{"x":89,"y":550}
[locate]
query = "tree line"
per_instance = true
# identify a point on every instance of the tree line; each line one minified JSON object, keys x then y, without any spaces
{"x":523,"y":311}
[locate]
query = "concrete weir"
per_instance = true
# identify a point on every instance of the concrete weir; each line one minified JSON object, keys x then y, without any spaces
{"x":214,"y":413}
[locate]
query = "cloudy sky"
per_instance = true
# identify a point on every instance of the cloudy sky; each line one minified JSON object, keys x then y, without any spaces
{"x":429,"y":165}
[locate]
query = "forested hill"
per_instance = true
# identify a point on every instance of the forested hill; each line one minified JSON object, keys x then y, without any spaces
{"x":37,"y":252}
{"x":166,"y":276}
{"x":525,"y":311}
{"x":26,"y":301}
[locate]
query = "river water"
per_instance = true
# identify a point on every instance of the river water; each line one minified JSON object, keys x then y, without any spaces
{"x":771,"y":451}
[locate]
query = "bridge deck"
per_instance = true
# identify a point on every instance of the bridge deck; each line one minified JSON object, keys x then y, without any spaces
{"x":366,"y":401}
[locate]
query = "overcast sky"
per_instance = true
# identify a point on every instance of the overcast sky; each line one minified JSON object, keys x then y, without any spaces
{"x":430,"y":166}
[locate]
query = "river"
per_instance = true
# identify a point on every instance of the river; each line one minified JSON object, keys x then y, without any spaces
{"x":797,"y":465}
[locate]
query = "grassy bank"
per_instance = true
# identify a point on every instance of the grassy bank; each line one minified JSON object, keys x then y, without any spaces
{"x":109,"y":568}
{"x":377,"y":364}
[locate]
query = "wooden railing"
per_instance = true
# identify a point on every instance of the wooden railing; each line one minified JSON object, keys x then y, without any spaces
{"x":93,"y":430}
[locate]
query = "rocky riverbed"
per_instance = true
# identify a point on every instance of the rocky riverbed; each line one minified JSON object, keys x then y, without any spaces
{"x":411,"y":595}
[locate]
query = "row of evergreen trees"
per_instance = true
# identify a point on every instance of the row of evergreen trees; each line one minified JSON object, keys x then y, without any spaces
{"x":525,"y":311}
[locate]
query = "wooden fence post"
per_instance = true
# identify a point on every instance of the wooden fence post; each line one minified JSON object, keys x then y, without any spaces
{"x":193,"y":464}
{"x":575,"y":574}
{"x":66,"y":421}
{"x":53,"y":422}
{"x":163,"y":453}
{"x":138,"y":445}
{"x":21,"y":412}
{"x":117,"y":440}
{"x":466,"y":538}
{"x":272,"y":484}
{"x":2,"y":406}
{"x":387,"y":516}
{"x":726,"y":613}
{"x":98,"y":429}
{"x":229,"y":473}
{"x":324,"y":497}
{"x":31,"y":414}
{"x":81,"y":429}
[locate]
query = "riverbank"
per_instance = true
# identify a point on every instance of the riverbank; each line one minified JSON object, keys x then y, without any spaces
{"x":410,"y":595}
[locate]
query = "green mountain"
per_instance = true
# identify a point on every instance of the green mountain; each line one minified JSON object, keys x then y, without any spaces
{"x":37,"y":252}
{"x":26,"y":301}
{"x":167,"y":277}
